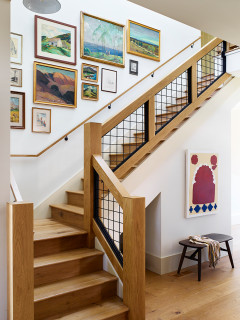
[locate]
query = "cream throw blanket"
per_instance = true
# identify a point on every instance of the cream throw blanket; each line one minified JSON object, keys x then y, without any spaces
{"x":213,"y":248}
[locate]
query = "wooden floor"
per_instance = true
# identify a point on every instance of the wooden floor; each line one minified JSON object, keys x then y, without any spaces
{"x":216,"y":297}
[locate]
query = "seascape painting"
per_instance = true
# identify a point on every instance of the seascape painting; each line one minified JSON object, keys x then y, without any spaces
{"x":89,"y":72}
{"x":55,"y":85}
{"x":102,"y":40}
{"x":143,"y":41}
{"x":17,"y":110}
{"x":90,"y":91}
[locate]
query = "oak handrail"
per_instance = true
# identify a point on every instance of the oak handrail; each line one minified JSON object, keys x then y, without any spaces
{"x":104,"y":107}
{"x":14,"y":188}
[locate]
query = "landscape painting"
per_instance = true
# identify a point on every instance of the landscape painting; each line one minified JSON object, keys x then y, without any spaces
{"x":17,"y":110}
{"x":102,"y":40}
{"x":90,"y":91}
{"x":41,"y":120}
{"x":55,"y":85}
{"x":89,"y":72}
{"x":55,"y":40}
{"x":143,"y":41}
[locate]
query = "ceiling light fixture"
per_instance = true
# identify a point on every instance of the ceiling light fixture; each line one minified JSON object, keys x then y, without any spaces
{"x":42,"y":6}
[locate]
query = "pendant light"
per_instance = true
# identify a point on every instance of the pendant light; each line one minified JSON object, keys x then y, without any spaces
{"x":42,"y":6}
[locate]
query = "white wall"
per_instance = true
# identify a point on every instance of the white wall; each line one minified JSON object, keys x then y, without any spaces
{"x":37,"y":178}
{"x":4,"y":147}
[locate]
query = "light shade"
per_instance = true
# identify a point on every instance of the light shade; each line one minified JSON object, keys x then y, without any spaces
{"x":42,"y":6}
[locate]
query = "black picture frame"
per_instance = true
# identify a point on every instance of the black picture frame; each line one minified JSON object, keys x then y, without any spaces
{"x":131,"y":69}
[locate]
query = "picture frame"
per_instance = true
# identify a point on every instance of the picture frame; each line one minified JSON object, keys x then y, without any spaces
{"x":55,"y":85}
{"x":41,"y":120}
{"x":17,"y":110}
{"x":133,"y":67}
{"x":109,"y":80}
{"x":143,"y":41}
{"x":89,"y":72}
{"x":55,"y":41}
{"x":90,"y":91}
{"x":108,"y":49}
{"x":201,"y":183}
{"x":16,"y":46}
{"x":16,"y":77}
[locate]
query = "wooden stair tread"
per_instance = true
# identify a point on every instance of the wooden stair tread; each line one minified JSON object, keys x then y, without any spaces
{"x":68,"y":208}
{"x":98,"y":311}
{"x":48,"y":291}
{"x":76,"y":191}
{"x":50,"y":229}
{"x":65,"y":256}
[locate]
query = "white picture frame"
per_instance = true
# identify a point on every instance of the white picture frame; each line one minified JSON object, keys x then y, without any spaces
{"x":109,"y":80}
{"x":16,"y":45}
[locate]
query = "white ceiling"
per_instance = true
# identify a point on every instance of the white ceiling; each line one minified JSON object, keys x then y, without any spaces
{"x":221,"y":18}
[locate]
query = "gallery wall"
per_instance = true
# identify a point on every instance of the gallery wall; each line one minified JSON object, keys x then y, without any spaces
{"x":39,"y":177}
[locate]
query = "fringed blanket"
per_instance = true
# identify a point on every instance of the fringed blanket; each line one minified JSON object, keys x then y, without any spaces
{"x":213,"y":248}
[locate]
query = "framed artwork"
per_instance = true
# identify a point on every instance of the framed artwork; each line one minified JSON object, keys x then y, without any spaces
{"x":16,"y":77}
{"x":102,"y":40}
{"x":109,"y":80}
{"x":16,"y":44}
{"x":41,"y":120}
{"x":90,"y":72}
{"x":143,"y":41}
{"x":201,"y":183}
{"x":55,"y":41}
{"x":133,"y":67}
{"x":54,"y":85}
{"x":90,"y":91}
{"x":17,"y":110}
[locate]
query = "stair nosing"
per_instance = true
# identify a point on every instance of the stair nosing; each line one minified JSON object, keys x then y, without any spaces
{"x":64,"y":207}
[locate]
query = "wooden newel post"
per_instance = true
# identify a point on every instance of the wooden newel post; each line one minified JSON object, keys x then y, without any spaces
{"x":92,"y":145}
{"x":134,"y":257}
{"x":20,"y":261}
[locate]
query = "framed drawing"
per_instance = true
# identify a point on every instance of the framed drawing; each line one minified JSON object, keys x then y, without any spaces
{"x":90,"y":91}
{"x":54,"y":85}
{"x":102,"y":40}
{"x":133,"y":67}
{"x":16,"y":77}
{"x":143,"y":41}
{"x":16,"y":44}
{"x":17,"y":110}
{"x":90,"y":72}
{"x":109,"y":80}
{"x":55,"y":41}
{"x":201,"y":183}
{"x":41,"y":120}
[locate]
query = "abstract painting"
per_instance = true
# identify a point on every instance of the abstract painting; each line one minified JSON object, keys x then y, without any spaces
{"x":17,"y":110}
{"x":16,"y":43}
{"x":41,"y":120}
{"x":89,"y":72}
{"x":109,"y":80}
{"x":90,"y":91}
{"x":55,"y":41}
{"x":16,"y":77}
{"x":55,"y":85}
{"x":102,"y":40}
{"x":202,"y":183}
{"x":143,"y":41}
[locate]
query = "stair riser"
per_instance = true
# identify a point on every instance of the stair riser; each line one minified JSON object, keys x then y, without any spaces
{"x":51,"y":246}
{"x":68,"y":269}
{"x":73,"y":300}
{"x":130,"y":148}
{"x":71,"y":218}
{"x":75,"y":199}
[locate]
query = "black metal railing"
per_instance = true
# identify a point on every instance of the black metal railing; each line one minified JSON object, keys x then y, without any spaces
{"x":108,"y":215}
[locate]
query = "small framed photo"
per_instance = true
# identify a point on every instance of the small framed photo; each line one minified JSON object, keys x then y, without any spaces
{"x":109,"y":80}
{"x":89,"y":72}
{"x":41,"y":120}
{"x":16,"y":77}
{"x":17,"y":110}
{"x":16,"y":43}
{"x":90,"y":91}
{"x":133,"y":67}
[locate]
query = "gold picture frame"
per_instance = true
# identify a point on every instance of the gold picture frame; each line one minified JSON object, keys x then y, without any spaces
{"x":103,"y":54}
{"x":47,"y":88}
{"x":141,"y":47}
{"x":89,"y":77}
{"x":90,"y":95}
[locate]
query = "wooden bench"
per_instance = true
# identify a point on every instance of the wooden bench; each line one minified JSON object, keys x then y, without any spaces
{"x":187,"y":244}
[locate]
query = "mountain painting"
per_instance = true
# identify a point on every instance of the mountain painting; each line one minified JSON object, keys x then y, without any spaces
{"x":143,"y":41}
{"x":90,"y":91}
{"x":14,"y":109}
{"x":55,"y":85}
{"x":89,"y":72}
{"x":102,"y":40}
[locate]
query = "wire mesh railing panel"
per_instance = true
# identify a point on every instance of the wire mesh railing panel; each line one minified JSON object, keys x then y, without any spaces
{"x":120,"y":143}
{"x":172,"y":99}
{"x":210,"y":67}
{"x":108,"y":214}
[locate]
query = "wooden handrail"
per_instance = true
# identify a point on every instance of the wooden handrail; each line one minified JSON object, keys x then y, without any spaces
{"x":104,"y":107}
{"x":14,"y":188}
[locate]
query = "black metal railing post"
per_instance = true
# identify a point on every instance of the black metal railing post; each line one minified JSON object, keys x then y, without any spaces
{"x":146,"y":121}
{"x":189,"y":80}
{"x":224,"y":56}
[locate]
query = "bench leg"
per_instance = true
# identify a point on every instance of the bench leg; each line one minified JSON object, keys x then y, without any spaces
{"x":199,"y":264}
{"x":182,"y":258}
{"x":229,"y":254}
